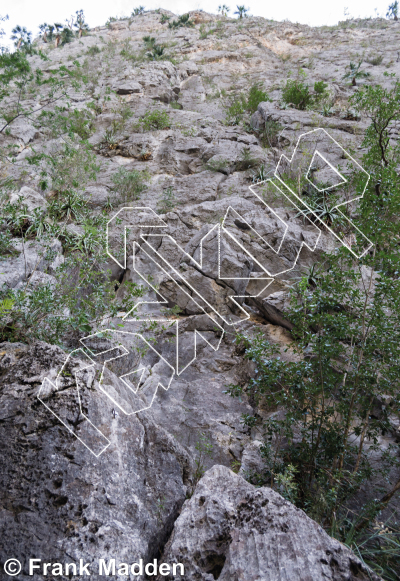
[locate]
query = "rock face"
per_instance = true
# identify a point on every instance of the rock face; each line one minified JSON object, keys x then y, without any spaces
{"x":58,"y":502}
{"x":165,"y":119}
{"x":231,"y":531}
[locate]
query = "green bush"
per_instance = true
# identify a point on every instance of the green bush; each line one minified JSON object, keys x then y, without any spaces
{"x":93,"y":50}
{"x":168,"y":200}
{"x":130,"y":184}
{"x":238,"y":105}
{"x":320,"y":88}
{"x":333,"y":403}
{"x":155,"y":120}
{"x":297,"y":93}
{"x":255,"y":97}
{"x":64,"y":120}
{"x":183,"y":20}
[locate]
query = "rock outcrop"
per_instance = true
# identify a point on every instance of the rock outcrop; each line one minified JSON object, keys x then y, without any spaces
{"x":199,"y":173}
{"x":231,"y":531}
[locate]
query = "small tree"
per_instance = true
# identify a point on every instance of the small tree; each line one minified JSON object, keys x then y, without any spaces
{"x":58,"y":28}
{"x":43,"y":28}
{"x":355,"y":73}
{"x":223,"y":10}
{"x":50,"y":32}
{"x":241,"y":12}
{"x":80,"y":23}
{"x":70,"y":22}
{"x":21,"y":36}
{"x":393,"y":10}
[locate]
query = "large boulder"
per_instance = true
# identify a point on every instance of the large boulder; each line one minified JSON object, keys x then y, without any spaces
{"x":58,"y":501}
{"x":231,"y":531}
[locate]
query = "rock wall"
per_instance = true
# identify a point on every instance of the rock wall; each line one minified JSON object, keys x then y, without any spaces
{"x":58,"y":500}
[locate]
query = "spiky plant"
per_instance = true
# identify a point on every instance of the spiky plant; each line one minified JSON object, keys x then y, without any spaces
{"x":241,"y":11}
{"x":393,"y":10}
{"x":355,"y":73}
{"x":223,"y":10}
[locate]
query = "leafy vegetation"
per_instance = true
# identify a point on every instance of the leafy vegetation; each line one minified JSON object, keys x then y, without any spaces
{"x":168,"y":200}
{"x":238,"y":105}
{"x":296,"y":92}
{"x":129,"y":184}
{"x":155,"y":120}
{"x":183,"y":21}
{"x":223,"y":10}
{"x":354,"y":72}
{"x":204,"y":448}
{"x":330,"y":406}
{"x":393,"y":10}
{"x":241,"y":12}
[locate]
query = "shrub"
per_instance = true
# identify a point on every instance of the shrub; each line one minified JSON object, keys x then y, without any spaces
{"x":68,"y":206}
{"x":168,"y":200}
{"x":64,"y":120}
{"x":320,"y":88}
{"x":183,"y":20}
{"x":93,"y":50}
{"x":239,"y":104}
{"x":269,"y":136}
{"x":375,"y":60}
{"x":296,"y":92}
{"x":129,"y":184}
{"x":255,"y":97}
{"x":155,"y":120}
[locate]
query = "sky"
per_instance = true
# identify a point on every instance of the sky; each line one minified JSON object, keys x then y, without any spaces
{"x":31,"y":13}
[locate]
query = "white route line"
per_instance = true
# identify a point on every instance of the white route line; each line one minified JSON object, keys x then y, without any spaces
{"x":219,"y":229}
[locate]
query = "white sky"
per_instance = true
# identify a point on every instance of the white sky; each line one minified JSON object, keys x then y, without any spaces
{"x":31,"y":13}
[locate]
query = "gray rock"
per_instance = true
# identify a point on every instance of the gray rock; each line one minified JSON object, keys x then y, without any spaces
{"x":29,"y":197}
{"x":127,"y":87}
{"x":23,"y":129}
{"x":231,"y":531}
{"x":60,"y":503}
{"x":31,"y":256}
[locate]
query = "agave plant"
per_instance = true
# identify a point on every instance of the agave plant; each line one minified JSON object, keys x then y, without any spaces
{"x":321,"y":210}
{"x":260,"y":175}
{"x":70,"y":206}
{"x":156,"y":53}
{"x":87,"y":242}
